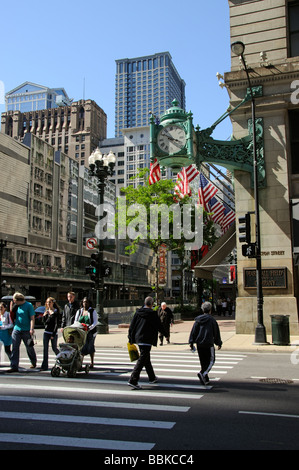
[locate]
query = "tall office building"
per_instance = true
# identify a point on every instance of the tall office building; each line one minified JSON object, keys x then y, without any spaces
{"x":143,"y":85}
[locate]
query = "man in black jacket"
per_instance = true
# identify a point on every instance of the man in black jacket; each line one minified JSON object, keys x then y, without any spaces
{"x":143,"y":331}
{"x":70,"y":310}
{"x":205,"y":333}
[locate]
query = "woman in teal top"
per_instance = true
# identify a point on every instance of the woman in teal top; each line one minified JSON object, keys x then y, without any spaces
{"x":87,"y":315}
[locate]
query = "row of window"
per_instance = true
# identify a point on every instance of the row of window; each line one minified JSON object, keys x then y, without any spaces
{"x":143,"y":64}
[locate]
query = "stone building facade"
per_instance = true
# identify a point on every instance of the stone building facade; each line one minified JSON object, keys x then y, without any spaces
{"x":270,"y":35}
{"x":74,"y":130}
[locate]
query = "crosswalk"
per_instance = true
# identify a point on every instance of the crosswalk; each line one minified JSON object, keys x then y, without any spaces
{"x":100,"y":405}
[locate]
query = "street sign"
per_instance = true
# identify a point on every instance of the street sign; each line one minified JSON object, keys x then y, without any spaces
{"x":91,"y":243}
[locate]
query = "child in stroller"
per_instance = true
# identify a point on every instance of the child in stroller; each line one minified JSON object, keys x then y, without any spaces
{"x":69,"y":359}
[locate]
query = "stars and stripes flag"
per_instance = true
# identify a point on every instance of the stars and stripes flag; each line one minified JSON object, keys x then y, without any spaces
{"x":155,"y":172}
{"x":228,"y":217}
{"x":191,"y":172}
{"x":216,"y":208}
{"x":206,"y":191}
{"x":182,"y":187}
{"x":184,"y":177}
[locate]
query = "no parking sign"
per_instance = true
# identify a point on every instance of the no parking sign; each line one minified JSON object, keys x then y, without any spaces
{"x":91,"y":243}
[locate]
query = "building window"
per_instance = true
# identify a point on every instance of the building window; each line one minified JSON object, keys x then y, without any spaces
{"x":294,"y":29}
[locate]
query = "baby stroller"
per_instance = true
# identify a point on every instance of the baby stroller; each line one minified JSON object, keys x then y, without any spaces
{"x":69,"y":359}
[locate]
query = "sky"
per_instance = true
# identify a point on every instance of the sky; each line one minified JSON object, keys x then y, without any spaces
{"x":74,"y":45}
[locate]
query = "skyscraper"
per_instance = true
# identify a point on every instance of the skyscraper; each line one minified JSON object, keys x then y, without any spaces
{"x":143,"y":85}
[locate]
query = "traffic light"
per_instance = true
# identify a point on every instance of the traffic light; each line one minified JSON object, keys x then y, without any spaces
{"x":245,"y":229}
{"x":249,"y":247}
{"x":93,"y":268}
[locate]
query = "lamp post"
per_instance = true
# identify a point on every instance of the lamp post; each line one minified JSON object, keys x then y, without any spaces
{"x":238,"y":49}
{"x":101,"y":166}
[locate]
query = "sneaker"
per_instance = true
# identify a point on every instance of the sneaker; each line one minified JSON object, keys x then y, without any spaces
{"x":135,"y":386}
{"x":154,"y":381}
{"x":201,"y":378}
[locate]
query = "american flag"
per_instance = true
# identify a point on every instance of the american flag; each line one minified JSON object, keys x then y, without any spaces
{"x":228,"y":218}
{"x":182,"y":187}
{"x":217,"y":210}
{"x":184,"y":177}
{"x":191,"y":172}
{"x":206,"y":191}
{"x":155,"y":172}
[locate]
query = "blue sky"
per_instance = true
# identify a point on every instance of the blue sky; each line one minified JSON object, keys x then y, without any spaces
{"x":66,"y":43}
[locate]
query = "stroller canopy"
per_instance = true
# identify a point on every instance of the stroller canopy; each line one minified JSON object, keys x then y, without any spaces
{"x":78,"y":334}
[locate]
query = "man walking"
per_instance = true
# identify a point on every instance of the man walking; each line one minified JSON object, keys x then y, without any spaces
{"x":143,"y":331}
{"x":70,"y":310}
{"x":166,"y":318}
{"x":23,"y":330}
{"x":205,"y":333}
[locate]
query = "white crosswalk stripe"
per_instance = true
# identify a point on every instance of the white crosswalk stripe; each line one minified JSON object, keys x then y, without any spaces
{"x":63,"y":401}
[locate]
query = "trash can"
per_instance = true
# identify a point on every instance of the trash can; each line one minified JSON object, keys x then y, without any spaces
{"x":280,"y":329}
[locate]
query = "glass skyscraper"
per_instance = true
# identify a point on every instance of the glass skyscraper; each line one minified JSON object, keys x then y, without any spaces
{"x":143,"y":85}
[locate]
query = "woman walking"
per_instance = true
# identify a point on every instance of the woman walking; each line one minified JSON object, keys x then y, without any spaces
{"x":87,"y":315}
{"x":50,"y":320}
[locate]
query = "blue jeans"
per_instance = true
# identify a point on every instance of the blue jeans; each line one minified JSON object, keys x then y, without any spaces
{"x":46,"y":339}
{"x":17,"y":336}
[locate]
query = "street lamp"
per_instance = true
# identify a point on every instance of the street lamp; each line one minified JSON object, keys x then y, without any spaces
{"x":101,"y":166}
{"x":238,"y":49}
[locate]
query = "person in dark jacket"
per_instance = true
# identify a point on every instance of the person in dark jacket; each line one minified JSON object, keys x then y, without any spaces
{"x":143,"y":331}
{"x":70,"y":310}
{"x":166,"y":318}
{"x":50,"y":319}
{"x":205,"y":333}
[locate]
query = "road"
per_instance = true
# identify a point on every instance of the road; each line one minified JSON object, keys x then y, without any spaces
{"x":242,"y":408}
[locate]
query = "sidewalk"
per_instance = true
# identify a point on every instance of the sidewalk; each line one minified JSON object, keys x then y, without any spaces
{"x":179,"y":335}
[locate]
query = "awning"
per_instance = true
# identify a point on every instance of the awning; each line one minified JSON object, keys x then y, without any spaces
{"x":222,"y":248}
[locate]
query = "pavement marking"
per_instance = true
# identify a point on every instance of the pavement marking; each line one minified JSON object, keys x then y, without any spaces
{"x":144,"y":423}
{"x":95,"y":403}
{"x":277,"y":415}
{"x":198,"y":386}
{"x":120,"y":366}
{"x":140,"y":393}
{"x":60,"y":441}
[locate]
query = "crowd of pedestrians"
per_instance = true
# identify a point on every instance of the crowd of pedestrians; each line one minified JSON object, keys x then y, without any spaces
{"x":17,"y":324}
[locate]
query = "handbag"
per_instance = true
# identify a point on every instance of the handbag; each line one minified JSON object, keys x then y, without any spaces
{"x":133,"y":352}
{"x":31,"y":341}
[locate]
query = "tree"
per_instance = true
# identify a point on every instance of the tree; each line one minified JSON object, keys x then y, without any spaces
{"x":146,"y":200}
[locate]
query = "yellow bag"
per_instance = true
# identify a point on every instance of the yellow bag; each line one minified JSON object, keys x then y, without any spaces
{"x":133,"y":352}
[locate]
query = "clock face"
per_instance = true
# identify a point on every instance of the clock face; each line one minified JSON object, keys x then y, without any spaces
{"x":171,"y":139}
